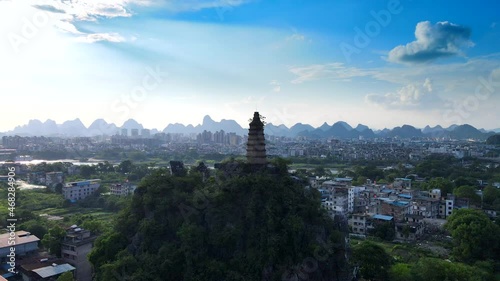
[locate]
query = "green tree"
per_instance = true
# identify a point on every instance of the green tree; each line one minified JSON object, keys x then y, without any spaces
{"x":384,"y":231}
{"x":86,"y":171}
{"x":52,"y":240}
{"x":490,"y":194}
{"x":432,"y":269}
{"x":58,"y":188}
{"x":93,"y":225}
{"x":34,"y":227}
{"x":400,"y":272}
{"x":239,"y":226}
{"x":475,"y":236}
{"x":66,"y":276}
{"x":374,"y":262}
{"x":446,"y":186}
{"x":125,"y":167}
{"x":467,"y":191}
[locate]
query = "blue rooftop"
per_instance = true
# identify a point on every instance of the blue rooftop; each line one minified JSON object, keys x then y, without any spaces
{"x":400,"y":203}
{"x":406,"y":196}
{"x":382,"y":217}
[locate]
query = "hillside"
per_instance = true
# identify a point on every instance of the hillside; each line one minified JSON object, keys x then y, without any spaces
{"x":259,"y":226}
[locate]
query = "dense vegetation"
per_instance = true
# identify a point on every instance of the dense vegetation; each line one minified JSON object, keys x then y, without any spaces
{"x":495,"y":139}
{"x":259,"y":226}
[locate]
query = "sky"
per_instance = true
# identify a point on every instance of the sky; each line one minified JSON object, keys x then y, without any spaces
{"x":379,"y":63}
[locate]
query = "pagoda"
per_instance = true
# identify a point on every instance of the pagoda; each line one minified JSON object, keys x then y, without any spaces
{"x":256,"y":145}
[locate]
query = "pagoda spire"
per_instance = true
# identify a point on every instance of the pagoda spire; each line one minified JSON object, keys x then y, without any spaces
{"x":256,"y":145}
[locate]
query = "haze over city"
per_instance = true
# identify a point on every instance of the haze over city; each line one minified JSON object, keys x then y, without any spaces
{"x":382,"y":64}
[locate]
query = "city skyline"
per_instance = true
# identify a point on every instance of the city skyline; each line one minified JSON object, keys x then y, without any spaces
{"x":380,"y":64}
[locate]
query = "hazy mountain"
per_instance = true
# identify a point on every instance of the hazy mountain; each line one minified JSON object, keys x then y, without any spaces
{"x":451,"y":128}
{"x":50,"y":128}
{"x":467,"y":131}
{"x":229,"y":126}
{"x":382,"y":133}
{"x":73,"y":128}
{"x":497,"y":130}
{"x":340,"y":129}
{"x":429,"y":130}
{"x":131,"y":124}
{"x":300,"y":128}
{"x":209,"y":125}
{"x":178,"y":128}
{"x":324,"y":127}
{"x":347,"y":126}
{"x":34,"y":127}
{"x":273,"y":130}
{"x":101,"y":127}
{"x":361,"y":128}
{"x":406,"y":131}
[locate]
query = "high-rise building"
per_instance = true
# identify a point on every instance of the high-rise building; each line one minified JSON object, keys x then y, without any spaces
{"x":256,"y":145}
{"x":134,"y":132}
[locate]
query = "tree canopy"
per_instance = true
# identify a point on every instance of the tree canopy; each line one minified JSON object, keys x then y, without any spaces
{"x":258,"y":226}
{"x":475,"y":236}
{"x":374,"y":261}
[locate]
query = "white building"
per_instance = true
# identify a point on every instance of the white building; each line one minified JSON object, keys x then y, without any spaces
{"x":122,"y":189}
{"x":80,"y":189}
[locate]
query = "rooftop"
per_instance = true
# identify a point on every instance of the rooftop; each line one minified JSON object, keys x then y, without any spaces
{"x":83,"y":182}
{"x":382,"y":217}
{"x":22,"y":237}
{"x":53,"y":270}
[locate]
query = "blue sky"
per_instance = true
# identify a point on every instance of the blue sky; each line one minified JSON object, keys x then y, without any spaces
{"x":379,"y":63}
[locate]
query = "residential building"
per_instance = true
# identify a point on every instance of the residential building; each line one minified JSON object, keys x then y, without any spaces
{"x":44,"y":269}
{"x":75,"y":247}
{"x":26,"y":244}
{"x":425,"y":206}
{"x":357,"y":223}
{"x":402,"y":183}
{"x":54,"y":178}
{"x":80,"y":189}
{"x":409,"y":230}
{"x":122,"y":189}
{"x":134,"y":133}
{"x":435,"y":194}
{"x":396,"y":209}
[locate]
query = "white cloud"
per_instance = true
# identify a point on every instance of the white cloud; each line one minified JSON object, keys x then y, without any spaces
{"x":97,"y":37}
{"x":196,"y":5}
{"x":296,"y":37}
{"x":276,"y":86}
{"x":333,"y":71}
{"x":409,"y":95}
{"x":432,"y":42}
{"x":66,"y":14}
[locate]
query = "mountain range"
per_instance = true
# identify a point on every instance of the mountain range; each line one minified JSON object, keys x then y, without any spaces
{"x":340,"y":130}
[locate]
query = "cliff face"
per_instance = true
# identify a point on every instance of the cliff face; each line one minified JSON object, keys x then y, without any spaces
{"x":258,"y":226}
